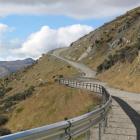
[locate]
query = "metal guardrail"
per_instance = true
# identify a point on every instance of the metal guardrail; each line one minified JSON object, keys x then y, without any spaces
{"x":72,"y":128}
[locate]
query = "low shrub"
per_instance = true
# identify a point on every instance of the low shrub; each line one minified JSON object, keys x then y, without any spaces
{"x":61,"y":76}
{"x":18,"y":110}
{"x":2,"y":92}
{"x":3,"y":119}
{"x":21,"y":96}
{"x":8,"y":104}
{"x":12,"y":100}
{"x":125,"y":54}
{"x":8,"y":89}
{"x":68,"y":66}
{"x":4,"y":131}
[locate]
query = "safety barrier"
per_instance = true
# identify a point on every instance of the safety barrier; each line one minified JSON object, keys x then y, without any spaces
{"x":72,"y":128}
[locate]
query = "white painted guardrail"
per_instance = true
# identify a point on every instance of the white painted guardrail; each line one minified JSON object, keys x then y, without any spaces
{"x":72,"y":128}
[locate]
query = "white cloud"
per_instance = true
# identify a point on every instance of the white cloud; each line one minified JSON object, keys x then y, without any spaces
{"x":42,"y":41}
{"x":76,"y":8}
{"x":3,"y":28}
{"x":47,"y":39}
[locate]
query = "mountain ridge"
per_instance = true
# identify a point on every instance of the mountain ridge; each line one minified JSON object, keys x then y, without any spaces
{"x":7,"y":67}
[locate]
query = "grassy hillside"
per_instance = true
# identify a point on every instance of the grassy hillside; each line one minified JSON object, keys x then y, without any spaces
{"x":123,"y":76}
{"x":32,"y":98}
{"x":111,"y":50}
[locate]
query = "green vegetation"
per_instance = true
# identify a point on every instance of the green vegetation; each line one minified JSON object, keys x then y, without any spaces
{"x":12,"y":100}
{"x":3,"y":119}
{"x":3,"y":87}
{"x":18,"y":110}
{"x":4,"y":131}
{"x":125,"y":54}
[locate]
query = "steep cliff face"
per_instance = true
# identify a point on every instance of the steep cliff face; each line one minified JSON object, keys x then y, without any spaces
{"x":112,"y":48}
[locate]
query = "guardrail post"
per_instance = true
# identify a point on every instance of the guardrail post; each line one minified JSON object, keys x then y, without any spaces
{"x":88,"y":135}
{"x":105,"y":123}
{"x":75,"y":84}
{"x":100,"y":131}
{"x":103,"y":95}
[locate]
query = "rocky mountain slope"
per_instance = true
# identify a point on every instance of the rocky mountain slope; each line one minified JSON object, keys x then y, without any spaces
{"x":113,"y":50}
{"x":7,"y":67}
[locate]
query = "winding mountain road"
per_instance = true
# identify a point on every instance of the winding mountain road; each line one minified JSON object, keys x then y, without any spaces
{"x":124,"y":118}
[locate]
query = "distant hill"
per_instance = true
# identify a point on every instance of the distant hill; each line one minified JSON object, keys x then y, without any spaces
{"x":7,"y":67}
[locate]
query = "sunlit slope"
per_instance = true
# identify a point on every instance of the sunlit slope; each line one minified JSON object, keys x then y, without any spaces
{"x":32,"y":98}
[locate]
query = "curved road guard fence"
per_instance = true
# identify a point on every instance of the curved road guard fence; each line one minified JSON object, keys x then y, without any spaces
{"x":72,"y":128}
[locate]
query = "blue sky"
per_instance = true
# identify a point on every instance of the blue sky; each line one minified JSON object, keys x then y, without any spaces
{"x":29,"y":28}
{"x":24,"y":25}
